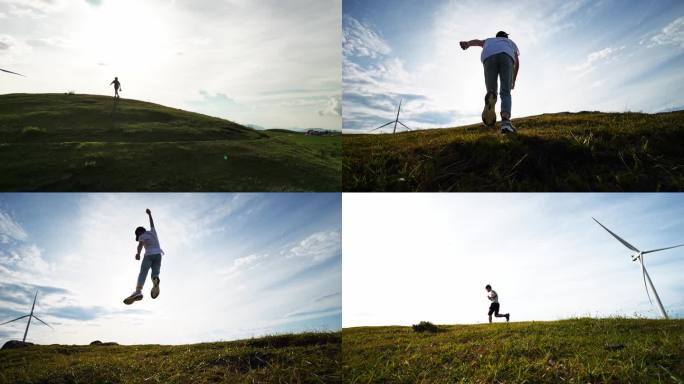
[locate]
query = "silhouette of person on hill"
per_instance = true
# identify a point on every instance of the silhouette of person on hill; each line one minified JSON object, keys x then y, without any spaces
{"x":494,"y":307}
{"x":117,"y":87}
{"x":500,"y":58}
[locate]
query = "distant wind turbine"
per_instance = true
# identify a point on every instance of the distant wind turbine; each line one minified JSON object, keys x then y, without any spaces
{"x":30,"y":315}
{"x":639,"y":255}
{"x":395,"y":121}
{"x":4,"y":70}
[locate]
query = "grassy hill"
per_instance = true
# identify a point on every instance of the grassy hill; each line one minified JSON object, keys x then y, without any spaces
{"x":569,"y":351}
{"x":586,"y":151}
{"x":301,"y":358}
{"x":60,"y":142}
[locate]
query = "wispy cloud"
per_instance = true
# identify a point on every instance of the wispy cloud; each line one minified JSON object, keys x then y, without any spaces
{"x":10,"y":229}
{"x":672,"y":34}
{"x":359,"y":39}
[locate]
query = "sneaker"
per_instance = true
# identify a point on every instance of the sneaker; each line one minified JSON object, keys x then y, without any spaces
{"x":507,"y":127}
{"x":489,"y":114}
{"x":508,"y":316}
{"x":135,"y":296}
{"x":155,"y":289}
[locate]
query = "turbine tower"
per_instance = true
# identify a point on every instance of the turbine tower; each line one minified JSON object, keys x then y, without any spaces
{"x":4,"y":70}
{"x":639,"y":255}
{"x":30,"y":315}
{"x":395,"y":121}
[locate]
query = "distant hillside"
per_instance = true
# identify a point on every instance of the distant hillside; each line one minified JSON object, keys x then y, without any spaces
{"x":301,"y":358}
{"x":60,"y":142}
{"x":586,"y":151}
{"x":569,"y":351}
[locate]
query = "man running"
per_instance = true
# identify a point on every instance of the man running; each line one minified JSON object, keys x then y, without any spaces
{"x":500,"y":58}
{"x":494,"y":307}
{"x":117,"y":87}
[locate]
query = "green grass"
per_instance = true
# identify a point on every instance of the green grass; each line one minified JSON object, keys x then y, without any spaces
{"x":300,"y":358}
{"x":568,"y":351}
{"x":59,"y":142}
{"x":586,"y":151}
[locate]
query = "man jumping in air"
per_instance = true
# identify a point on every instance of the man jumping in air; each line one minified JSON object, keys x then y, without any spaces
{"x":117,"y":87}
{"x":152,"y":259}
{"x":494,"y":307}
{"x":500,"y":58}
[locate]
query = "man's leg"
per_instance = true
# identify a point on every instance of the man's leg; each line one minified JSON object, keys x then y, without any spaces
{"x":144,"y":268}
{"x":491,"y":72}
{"x":156,"y":266}
{"x":506,"y":74}
{"x":496,"y":312}
{"x":491,"y":310}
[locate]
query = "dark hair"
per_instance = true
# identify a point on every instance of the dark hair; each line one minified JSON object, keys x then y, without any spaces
{"x":488,"y":286}
{"x":502,"y":34}
{"x":139,"y":231}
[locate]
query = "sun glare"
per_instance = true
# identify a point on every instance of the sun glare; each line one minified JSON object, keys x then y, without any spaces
{"x":125,"y":33}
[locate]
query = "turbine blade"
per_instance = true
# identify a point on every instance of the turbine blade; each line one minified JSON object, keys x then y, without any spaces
{"x":4,"y":70}
{"x":36,"y":317}
{"x":643,"y":274}
{"x":662,"y":249}
{"x":18,"y":318}
{"x":405,"y":126}
{"x":384,"y":125}
{"x":626,"y":244}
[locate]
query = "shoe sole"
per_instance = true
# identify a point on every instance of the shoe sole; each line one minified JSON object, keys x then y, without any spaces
{"x":489,"y":114}
{"x":155,"y":290}
{"x":130,"y":300}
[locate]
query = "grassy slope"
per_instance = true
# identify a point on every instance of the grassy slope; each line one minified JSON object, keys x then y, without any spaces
{"x":586,"y":151}
{"x":57,"y":142}
{"x":302,"y":358}
{"x":528,"y":352}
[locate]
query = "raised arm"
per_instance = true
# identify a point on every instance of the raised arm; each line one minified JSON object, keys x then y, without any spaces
{"x":472,"y":43}
{"x":149,"y":213}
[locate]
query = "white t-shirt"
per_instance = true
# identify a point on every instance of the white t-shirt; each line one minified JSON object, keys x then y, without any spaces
{"x":493,"y":297}
{"x":151,"y":242}
{"x":495,"y":45}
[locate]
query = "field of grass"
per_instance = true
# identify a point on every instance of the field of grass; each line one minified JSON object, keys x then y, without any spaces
{"x":60,"y":142}
{"x":300,"y":358}
{"x":586,"y":151}
{"x":568,"y":351}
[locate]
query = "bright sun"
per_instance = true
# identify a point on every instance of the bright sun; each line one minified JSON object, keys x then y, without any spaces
{"x":125,"y":32}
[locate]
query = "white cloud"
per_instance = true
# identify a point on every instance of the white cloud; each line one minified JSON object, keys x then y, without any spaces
{"x":318,"y":246}
{"x":595,"y":57}
{"x":10,"y":229}
{"x":332,"y":108}
{"x":361,"y":40}
{"x":672,"y":34}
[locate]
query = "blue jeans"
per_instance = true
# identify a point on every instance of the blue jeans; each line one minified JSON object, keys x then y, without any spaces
{"x":149,"y":261}
{"x":500,"y":66}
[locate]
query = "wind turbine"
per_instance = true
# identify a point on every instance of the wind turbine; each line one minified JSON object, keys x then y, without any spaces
{"x":30,"y":315}
{"x":639,"y":255}
{"x":395,"y":121}
{"x":4,"y":70}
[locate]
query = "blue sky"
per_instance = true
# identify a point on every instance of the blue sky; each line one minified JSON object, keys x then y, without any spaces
{"x":271,"y":63}
{"x":608,"y":55}
{"x":414,"y":257}
{"x":236,"y":266}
